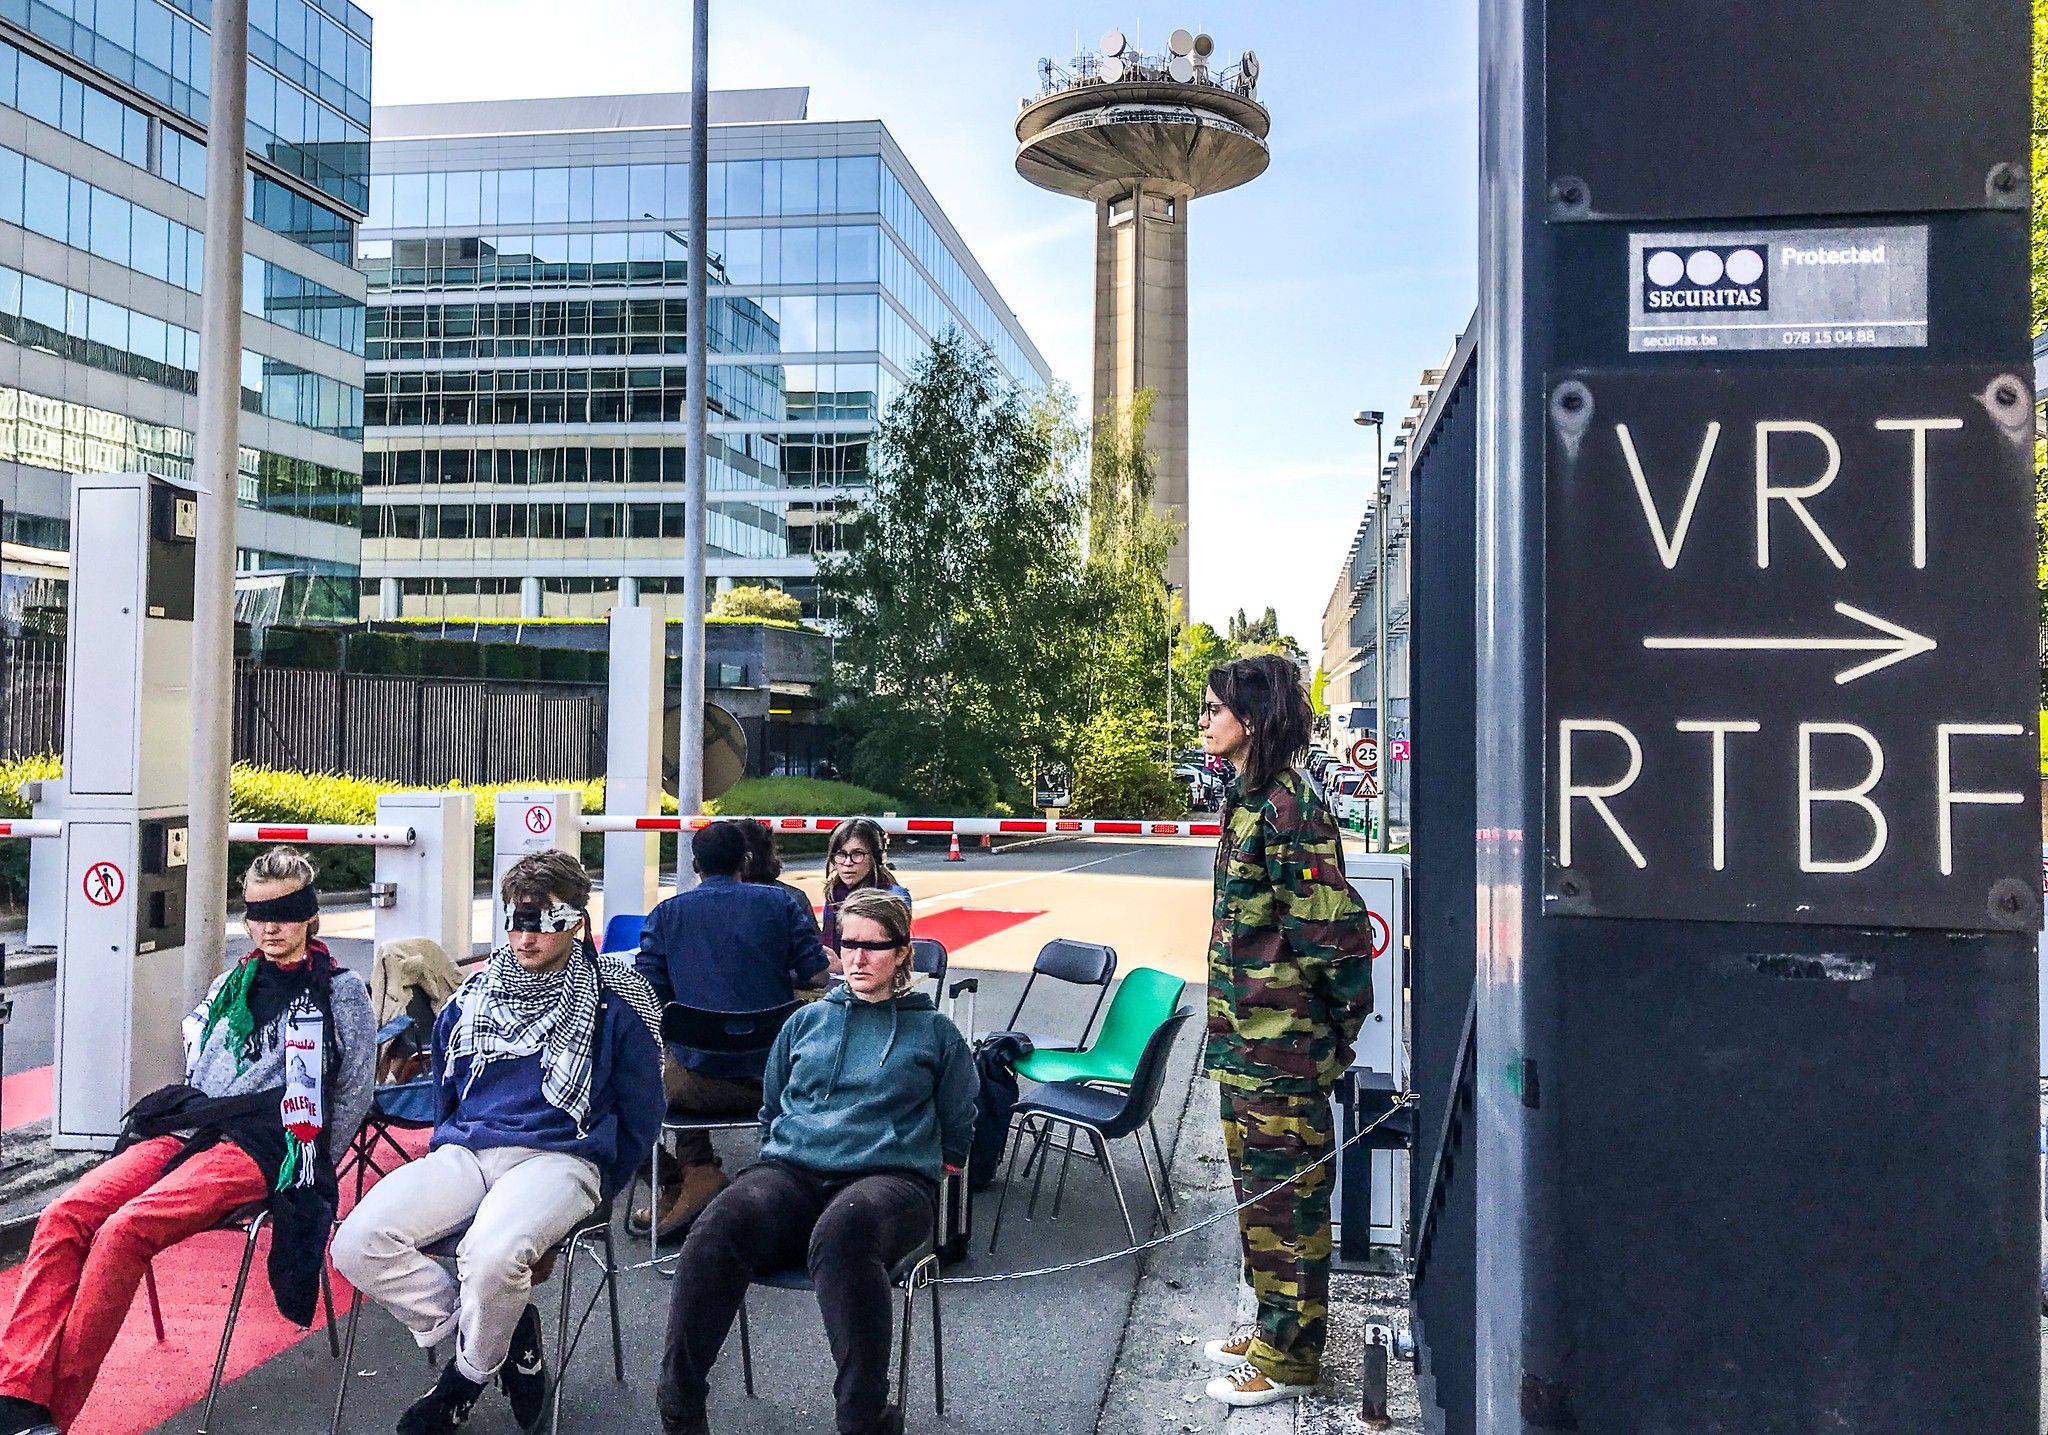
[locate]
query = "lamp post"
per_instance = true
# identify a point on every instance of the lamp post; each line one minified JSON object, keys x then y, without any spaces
{"x":1377,"y":421}
{"x":1171,"y":589}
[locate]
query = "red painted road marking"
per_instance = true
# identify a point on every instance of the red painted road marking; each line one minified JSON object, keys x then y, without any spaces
{"x":145,"y":1383}
{"x":958,"y":927}
{"x":25,"y":1097}
{"x":104,"y":884}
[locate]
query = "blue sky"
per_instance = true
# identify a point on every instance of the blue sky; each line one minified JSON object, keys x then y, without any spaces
{"x":1323,"y":287}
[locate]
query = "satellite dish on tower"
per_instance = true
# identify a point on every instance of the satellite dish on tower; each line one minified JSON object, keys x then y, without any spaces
{"x":1204,"y":47}
{"x":1113,"y":42}
{"x":1112,"y":70}
{"x":1180,"y":42}
{"x":1181,"y":68}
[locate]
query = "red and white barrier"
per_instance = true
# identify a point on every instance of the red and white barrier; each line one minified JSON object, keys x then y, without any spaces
{"x":938,"y":826}
{"x":321,"y":834}
{"x":31,"y":827}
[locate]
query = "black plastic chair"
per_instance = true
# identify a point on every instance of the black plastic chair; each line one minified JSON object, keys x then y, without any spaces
{"x":728,"y":1033}
{"x":915,"y":1272}
{"x":1105,"y":1115}
{"x":928,"y":958}
{"x":1082,"y":964}
{"x":248,"y":1220}
{"x":594,"y":1234}
{"x":394,"y":1105}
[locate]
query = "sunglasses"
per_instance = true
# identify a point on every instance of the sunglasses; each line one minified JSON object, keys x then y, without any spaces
{"x":860,"y":946}
{"x":556,"y":917}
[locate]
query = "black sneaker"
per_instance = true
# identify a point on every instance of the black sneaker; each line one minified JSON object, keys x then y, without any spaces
{"x":25,"y":1417}
{"x":524,"y":1375}
{"x":443,"y":1408}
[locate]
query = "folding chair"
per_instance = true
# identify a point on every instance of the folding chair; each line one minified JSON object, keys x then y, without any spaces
{"x":394,"y":1105}
{"x":622,"y":933}
{"x":1104,"y":1115}
{"x":928,"y":958}
{"x":728,"y":1033}
{"x":249,"y":1220}
{"x":593,"y":1234}
{"x":915,"y":1272}
{"x":1080,"y":963}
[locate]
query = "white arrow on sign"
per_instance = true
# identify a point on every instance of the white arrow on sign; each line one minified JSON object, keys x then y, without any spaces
{"x":1903,"y":643}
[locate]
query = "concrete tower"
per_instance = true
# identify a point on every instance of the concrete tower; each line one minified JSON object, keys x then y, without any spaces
{"x":1141,"y":135}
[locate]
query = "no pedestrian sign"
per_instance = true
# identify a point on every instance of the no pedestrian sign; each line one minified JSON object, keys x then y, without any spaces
{"x":104,"y":884}
{"x":1790,"y":650}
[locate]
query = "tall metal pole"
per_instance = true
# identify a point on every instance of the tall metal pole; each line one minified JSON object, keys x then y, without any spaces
{"x":1382,"y":489}
{"x":690,"y":744}
{"x":215,"y":459}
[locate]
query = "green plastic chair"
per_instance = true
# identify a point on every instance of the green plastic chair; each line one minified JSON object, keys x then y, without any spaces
{"x":1145,"y":999}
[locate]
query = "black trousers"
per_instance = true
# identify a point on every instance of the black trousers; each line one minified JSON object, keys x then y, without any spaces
{"x":848,"y":1231}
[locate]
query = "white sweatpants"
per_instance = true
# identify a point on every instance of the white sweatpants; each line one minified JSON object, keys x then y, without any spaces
{"x":517,"y":1204}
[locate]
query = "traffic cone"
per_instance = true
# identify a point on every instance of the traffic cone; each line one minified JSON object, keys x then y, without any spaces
{"x":986,"y":845}
{"x":953,"y":850}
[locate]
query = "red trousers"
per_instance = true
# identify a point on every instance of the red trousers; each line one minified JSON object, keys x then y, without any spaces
{"x":90,"y":1249}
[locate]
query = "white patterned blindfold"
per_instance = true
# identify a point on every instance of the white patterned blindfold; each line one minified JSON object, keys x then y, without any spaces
{"x":555,"y":917}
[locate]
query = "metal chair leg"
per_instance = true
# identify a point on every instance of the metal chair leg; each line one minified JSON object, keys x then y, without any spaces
{"x":903,"y":1345}
{"x":611,"y":1291}
{"x":1009,"y":1173}
{"x":1165,"y":1171}
{"x":653,"y":1199}
{"x":1145,"y":1165}
{"x":156,"y":1310}
{"x":227,"y":1334}
{"x":565,"y":1268}
{"x":327,"y":1301}
{"x":746,"y":1348}
{"x":348,"y":1361}
{"x":1116,"y":1184}
{"x":1044,"y":1159}
{"x":1059,"y":1189}
{"x":938,"y":1353}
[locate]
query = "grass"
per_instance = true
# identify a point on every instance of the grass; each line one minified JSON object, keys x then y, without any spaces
{"x":777,"y":796}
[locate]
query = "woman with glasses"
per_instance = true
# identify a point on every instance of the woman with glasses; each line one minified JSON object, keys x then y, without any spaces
{"x":1290,"y":982}
{"x":867,"y":1103}
{"x":856,"y":859}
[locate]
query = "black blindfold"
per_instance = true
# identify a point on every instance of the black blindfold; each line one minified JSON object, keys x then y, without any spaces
{"x":300,"y":906}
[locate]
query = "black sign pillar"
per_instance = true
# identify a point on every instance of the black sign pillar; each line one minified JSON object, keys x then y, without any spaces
{"x":1758,"y":805}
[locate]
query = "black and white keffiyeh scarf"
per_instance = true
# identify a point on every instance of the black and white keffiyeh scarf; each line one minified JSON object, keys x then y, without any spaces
{"x":507,"y":1012}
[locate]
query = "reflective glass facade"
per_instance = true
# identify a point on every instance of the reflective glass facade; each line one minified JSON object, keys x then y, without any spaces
{"x":103,"y":105}
{"x":524,"y":393}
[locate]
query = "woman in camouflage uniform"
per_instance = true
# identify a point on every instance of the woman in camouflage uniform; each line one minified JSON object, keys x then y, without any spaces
{"x":1290,"y":981}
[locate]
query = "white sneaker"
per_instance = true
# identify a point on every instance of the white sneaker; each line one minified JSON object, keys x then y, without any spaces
{"x":1230,"y":1353}
{"x":1249,"y":1385}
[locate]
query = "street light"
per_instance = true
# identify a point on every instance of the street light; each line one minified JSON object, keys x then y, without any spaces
{"x":1377,"y":421}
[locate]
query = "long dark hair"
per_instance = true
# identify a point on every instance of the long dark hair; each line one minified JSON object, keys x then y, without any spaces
{"x":1265,"y":694}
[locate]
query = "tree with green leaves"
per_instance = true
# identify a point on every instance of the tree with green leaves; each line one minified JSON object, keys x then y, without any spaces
{"x":959,"y":595}
{"x":745,"y":601}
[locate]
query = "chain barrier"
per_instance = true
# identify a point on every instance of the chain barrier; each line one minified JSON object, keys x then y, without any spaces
{"x":1325,"y":1159}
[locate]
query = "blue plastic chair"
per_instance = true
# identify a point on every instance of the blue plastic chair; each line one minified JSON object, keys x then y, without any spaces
{"x":622,"y":933}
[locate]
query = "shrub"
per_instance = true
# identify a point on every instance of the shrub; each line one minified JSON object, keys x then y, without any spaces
{"x":773,"y":796}
{"x":751,"y":602}
{"x":1119,"y":770}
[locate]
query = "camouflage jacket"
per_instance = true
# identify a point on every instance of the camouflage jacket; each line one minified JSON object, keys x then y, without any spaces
{"x":1290,"y":954}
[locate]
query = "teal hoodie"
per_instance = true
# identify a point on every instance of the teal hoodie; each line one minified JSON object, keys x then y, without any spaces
{"x":855,"y":1086}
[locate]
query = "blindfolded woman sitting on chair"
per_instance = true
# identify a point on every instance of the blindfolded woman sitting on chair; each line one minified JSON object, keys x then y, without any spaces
{"x":867,"y":1101}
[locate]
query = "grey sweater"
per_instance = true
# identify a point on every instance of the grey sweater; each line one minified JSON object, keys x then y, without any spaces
{"x":212,"y":1067}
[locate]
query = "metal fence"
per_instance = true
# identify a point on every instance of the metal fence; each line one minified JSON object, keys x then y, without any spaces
{"x":424,"y":731}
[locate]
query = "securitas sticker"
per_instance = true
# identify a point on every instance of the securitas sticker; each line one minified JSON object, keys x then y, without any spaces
{"x":1835,"y":288}
{"x":1709,"y":277}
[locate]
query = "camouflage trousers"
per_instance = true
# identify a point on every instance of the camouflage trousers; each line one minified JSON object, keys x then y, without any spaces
{"x":1286,"y":1236}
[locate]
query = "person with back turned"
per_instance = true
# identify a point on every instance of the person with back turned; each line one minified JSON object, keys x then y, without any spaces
{"x":1290,"y":983}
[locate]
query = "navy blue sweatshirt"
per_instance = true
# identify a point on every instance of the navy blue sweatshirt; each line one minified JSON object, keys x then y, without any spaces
{"x":856,"y":1086}
{"x":727,"y":945}
{"x":504,"y":1106}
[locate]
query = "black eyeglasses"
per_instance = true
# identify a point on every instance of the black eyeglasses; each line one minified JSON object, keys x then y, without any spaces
{"x":1210,"y":710}
{"x":860,"y":946}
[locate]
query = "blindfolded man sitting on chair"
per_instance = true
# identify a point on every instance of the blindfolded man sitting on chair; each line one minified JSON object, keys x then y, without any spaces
{"x":547,"y":1068}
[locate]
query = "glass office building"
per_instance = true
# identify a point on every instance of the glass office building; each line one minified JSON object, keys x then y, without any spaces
{"x":103,"y":110}
{"x":528,"y":264}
